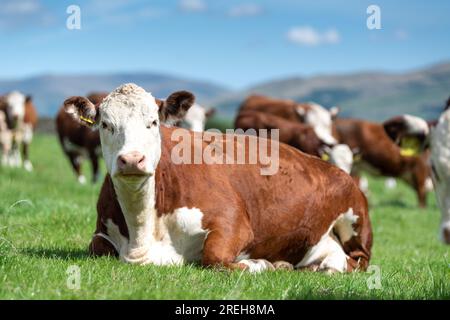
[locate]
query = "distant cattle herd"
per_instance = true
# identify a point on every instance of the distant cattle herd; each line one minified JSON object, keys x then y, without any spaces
{"x":312,"y":214}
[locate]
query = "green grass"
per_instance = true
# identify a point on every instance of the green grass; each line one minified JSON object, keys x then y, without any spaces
{"x":47,"y":218}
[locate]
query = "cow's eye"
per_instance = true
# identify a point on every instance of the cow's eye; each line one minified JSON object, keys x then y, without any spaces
{"x":154,"y":123}
{"x":105,"y":126}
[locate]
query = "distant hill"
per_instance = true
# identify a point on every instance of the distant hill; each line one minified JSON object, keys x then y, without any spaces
{"x":369,"y":95}
{"x":49,"y":91}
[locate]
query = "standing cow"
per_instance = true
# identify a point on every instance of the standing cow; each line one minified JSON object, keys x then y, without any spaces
{"x":151,"y":210}
{"x":418,"y":130}
{"x":78,"y":141}
{"x":380,"y":155}
{"x":440,"y":163}
{"x":20,"y":116}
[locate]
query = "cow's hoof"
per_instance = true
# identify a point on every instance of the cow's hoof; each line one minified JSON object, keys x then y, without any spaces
{"x":283,"y":265}
{"x":446,"y":234}
{"x":256,"y":265}
{"x":81,"y":179}
{"x":28,"y":166}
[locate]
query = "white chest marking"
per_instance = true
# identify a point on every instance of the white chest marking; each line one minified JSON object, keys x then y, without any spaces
{"x":179,"y":239}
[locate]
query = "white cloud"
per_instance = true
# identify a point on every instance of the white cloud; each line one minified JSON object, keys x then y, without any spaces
{"x":19,"y":7}
{"x":308,"y":36}
{"x":192,"y":5}
{"x":245,"y":10}
{"x":16,"y":15}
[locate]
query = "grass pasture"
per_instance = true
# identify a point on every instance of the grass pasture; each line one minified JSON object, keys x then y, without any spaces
{"x":47,"y":218}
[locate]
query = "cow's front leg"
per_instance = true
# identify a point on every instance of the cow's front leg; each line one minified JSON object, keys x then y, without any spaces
{"x":225,"y":244}
{"x":26,"y":160}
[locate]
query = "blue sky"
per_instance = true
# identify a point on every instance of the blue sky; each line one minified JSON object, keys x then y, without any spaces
{"x":235,"y":43}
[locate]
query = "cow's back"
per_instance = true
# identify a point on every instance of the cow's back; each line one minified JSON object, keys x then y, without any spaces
{"x":282,"y":108}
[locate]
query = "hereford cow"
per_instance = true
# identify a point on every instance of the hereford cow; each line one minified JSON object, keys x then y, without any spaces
{"x":298,"y":135}
{"x":440,"y":163}
{"x":5,"y":137}
{"x":20,"y":116}
{"x":414,"y":128}
{"x":295,"y":134}
{"x":78,"y":141}
{"x":379,"y":155}
{"x":309,"y":113}
{"x":151,"y":210}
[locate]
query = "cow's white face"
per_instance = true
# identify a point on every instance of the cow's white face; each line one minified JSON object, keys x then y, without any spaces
{"x":320,"y":119}
{"x":342,"y":156}
{"x":128,"y":120}
{"x":196,"y":118}
{"x":15,"y":103}
{"x":128,"y":123}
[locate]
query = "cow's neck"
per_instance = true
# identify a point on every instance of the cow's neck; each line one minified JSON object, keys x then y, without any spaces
{"x":137,"y":202}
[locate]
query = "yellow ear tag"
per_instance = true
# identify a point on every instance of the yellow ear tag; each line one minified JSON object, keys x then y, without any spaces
{"x":325,"y":157}
{"x":409,"y":147}
{"x":87,"y":120}
{"x":357,"y":157}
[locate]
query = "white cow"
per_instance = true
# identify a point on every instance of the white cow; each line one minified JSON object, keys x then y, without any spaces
{"x":440,"y":164}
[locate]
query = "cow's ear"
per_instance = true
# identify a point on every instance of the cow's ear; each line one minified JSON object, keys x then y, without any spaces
{"x":28,"y":98}
{"x":82,"y":110}
{"x":395,"y":128}
{"x":334,"y":112}
{"x":174,"y":108}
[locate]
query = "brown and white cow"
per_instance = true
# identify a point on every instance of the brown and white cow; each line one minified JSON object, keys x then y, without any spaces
{"x":151,"y":210}
{"x":309,"y":113}
{"x":379,"y":154}
{"x":296,"y":134}
{"x":440,"y":164}
{"x":5,"y":136}
{"x":414,"y":128}
{"x":79,"y":141}
{"x":20,"y":116}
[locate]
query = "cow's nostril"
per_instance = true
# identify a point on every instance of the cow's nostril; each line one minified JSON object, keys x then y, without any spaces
{"x":141,"y":160}
{"x":122,"y":160}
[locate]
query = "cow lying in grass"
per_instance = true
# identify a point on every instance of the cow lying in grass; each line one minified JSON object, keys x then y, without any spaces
{"x":150,"y":210}
{"x":297,"y":135}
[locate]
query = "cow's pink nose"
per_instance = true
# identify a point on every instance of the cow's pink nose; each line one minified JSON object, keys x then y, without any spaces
{"x":131,"y":163}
